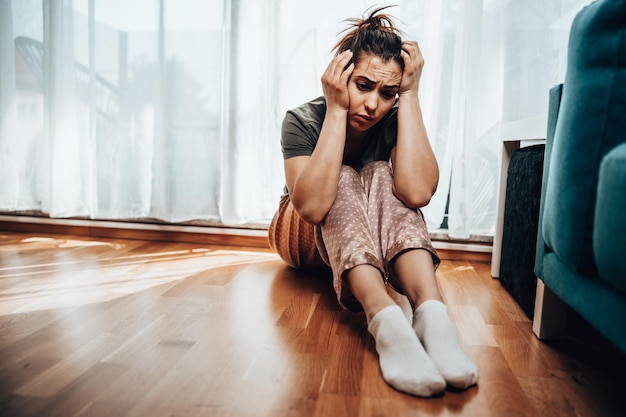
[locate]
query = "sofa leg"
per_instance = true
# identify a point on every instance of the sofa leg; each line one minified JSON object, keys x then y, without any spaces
{"x":550,"y":319}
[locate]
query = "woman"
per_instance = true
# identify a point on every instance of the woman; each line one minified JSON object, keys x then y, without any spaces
{"x":358,"y":166}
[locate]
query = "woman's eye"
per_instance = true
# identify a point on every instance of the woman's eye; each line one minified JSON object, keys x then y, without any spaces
{"x":389,"y":95}
{"x":361,"y":86}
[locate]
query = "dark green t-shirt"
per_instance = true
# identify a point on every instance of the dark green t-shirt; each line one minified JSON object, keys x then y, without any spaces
{"x":302,"y":125}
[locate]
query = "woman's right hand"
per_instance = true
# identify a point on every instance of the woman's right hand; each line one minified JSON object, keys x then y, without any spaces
{"x":335,"y":81}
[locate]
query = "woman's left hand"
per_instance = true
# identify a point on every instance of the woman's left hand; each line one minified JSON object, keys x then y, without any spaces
{"x":413,"y":64}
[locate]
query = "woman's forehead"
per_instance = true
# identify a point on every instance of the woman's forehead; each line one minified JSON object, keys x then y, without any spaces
{"x":376,"y":69}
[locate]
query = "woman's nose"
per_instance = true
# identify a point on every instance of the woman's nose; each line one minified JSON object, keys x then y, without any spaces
{"x":371,"y":102}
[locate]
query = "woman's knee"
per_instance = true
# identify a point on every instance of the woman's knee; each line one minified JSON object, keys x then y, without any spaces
{"x":377,"y":179}
{"x":347,"y":172}
{"x":377,"y":169}
{"x":349,"y":178}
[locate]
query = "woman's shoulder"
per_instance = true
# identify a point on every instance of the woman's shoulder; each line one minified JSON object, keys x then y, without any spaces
{"x":312,"y":111}
{"x":301,"y":128}
{"x":306,"y":119}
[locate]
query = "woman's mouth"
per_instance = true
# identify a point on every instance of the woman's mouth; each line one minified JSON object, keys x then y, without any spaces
{"x":365,"y":118}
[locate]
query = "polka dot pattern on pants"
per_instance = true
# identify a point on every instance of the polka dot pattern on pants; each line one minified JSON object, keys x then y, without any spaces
{"x":367,"y":224}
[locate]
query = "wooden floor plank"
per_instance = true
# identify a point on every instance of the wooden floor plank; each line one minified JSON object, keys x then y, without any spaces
{"x":105,"y":326}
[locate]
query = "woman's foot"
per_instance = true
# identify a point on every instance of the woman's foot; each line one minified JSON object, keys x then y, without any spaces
{"x":435,"y":330}
{"x":404,"y":363}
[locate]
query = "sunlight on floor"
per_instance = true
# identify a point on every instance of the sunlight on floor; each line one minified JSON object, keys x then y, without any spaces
{"x":93,"y":271}
{"x":463,"y":268}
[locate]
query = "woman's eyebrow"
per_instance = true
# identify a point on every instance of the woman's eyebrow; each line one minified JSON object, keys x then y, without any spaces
{"x":391,"y":87}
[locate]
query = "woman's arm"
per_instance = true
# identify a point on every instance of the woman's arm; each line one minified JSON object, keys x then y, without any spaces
{"x":312,"y":181}
{"x":416,"y":173}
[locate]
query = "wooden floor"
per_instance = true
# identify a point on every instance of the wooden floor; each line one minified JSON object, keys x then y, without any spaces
{"x":111,"y":327}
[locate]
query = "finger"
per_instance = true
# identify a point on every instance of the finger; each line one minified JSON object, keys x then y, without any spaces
{"x":347,"y":73}
{"x":412,"y":49}
{"x":342,"y":61}
{"x":413,"y":53}
{"x":418,"y":52}
{"x":336,"y":66}
{"x":409,"y":63}
{"x":410,"y":45}
{"x":405,"y":56}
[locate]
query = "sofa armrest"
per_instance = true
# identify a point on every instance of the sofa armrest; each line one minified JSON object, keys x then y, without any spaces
{"x":554,"y":104}
{"x":609,"y":232}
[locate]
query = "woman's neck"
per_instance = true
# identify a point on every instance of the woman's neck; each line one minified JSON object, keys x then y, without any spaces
{"x":355,"y":145}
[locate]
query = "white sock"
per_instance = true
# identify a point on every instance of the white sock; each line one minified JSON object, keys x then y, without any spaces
{"x":438,"y":335}
{"x":403,"y":361}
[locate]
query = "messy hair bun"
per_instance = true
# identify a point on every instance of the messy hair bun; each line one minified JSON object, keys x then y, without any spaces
{"x":375,"y":34}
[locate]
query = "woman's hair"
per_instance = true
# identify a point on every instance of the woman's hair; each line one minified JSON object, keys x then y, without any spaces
{"x":375,"y":34}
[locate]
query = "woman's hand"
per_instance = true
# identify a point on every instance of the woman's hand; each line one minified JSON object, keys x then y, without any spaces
{"x":413,"y":64}
{"x":335,"y":81}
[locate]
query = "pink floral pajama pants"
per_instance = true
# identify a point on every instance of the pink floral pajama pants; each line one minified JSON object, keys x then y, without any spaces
{"x":367,"y":224}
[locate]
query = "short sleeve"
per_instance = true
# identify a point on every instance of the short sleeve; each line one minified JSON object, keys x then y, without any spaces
{"x":301,"y":128}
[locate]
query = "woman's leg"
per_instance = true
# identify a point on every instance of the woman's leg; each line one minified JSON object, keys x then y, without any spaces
{"x":410,"y":263}
{"x":431,"y":321}
{"x":367,"y":286}
{"x":293,"y":238}
{"x":346,"y":243}
{"x":395,"y":227}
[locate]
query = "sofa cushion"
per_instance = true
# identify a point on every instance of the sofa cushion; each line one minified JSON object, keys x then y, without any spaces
{"x":591,"y":122}
{"x":609,"y":233}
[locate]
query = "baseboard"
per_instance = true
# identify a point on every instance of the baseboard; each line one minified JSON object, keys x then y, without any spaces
{"x":138,"y":231}
{"x":463,"y":254}
{"x":207,"y":235}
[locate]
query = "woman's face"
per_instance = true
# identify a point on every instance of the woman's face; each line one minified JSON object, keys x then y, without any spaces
{"x":372,"y":88}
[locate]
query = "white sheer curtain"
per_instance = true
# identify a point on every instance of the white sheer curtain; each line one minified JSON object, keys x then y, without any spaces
{"x":9,"y":160}
{"x":171,"y":109}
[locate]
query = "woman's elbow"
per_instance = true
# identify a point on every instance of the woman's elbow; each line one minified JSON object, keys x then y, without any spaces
{"x":416,"y":202}
{"x":309,"y":213}
{"x":311,"y":217}
{"x":415,"y":198}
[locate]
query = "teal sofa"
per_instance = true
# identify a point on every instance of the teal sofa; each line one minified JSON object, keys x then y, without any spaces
{"x":581,"y":241}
